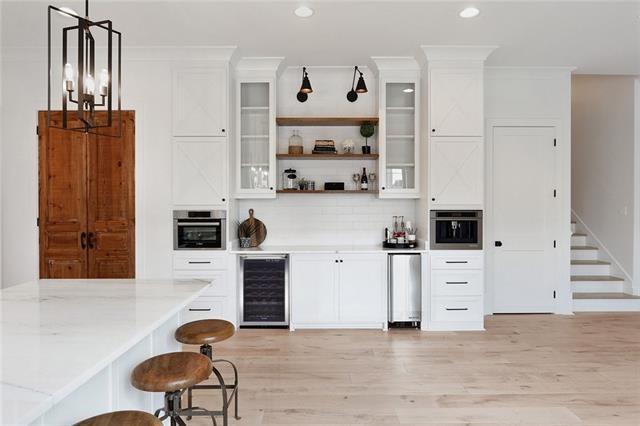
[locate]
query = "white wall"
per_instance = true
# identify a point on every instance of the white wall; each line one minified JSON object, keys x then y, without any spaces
{"x":603,"y":161}
{"x":522,"y":96}
{"x":349,"y":219}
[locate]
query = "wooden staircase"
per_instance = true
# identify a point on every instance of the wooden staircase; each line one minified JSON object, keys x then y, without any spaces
{"x":594,"y":288}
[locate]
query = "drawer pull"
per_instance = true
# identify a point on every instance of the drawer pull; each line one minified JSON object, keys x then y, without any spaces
{"x":199,"y":309}
{"x":457,"y":309}
{"x":199,"y":262}
{"x":456,"y":261}
{"x":457,"y":282}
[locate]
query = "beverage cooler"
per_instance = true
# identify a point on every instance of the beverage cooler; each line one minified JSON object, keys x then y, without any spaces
{"x":264,"y":291}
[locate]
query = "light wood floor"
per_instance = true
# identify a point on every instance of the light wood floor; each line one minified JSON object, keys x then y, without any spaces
{"x":534,"y":369}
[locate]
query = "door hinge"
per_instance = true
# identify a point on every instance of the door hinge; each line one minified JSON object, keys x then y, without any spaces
{"x":555,"y":193}
{"x":555,"y":142}
{"x":554,"y":243}
{"x":554,"y":294}
{"x":38,"y":221}
{"x":37,"y":130}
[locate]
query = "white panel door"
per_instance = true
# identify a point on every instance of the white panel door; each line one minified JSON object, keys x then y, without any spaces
{"x":361,"y":289}
{"x":200,"y":102}
{"x":522,"y":219}
{"x":456,"y":172}
{"x":456,"y":102}
{"x":200,"y":171}
{"x":314,"y":281}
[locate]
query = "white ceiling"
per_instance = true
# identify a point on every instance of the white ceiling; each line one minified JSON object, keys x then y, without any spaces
{"x":595,"y":37}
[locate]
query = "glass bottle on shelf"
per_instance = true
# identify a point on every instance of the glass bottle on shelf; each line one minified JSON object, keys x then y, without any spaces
{"x":295,"y":143}
{"x":364,"y":181}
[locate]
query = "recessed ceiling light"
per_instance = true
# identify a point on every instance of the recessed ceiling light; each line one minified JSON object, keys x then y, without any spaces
{"x":303,"y":12}
{"x":469,"y":12}
{"x":408,"y":90}
{"x":68,"y":10}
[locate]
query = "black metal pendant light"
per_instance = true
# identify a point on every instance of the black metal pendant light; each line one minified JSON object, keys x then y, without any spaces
{"x":305,"y":88}
{"x":361,"y":87}
{"x":80,"y":90}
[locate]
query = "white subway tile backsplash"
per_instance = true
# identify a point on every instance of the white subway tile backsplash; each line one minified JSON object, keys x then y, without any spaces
{"x":326,"y":219}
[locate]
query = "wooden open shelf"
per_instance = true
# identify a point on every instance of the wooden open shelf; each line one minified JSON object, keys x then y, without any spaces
{"x":322,"y":191}
{"x":327,"y":156}
{"x":325,"y":121}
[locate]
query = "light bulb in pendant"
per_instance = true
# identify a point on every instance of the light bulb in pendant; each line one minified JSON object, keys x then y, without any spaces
{"x":68,"y":77}
{"x":89,"y":85}
{"x":104,"y":82}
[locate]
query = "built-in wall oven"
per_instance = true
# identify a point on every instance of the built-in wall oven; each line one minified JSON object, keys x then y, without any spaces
{"x":264,"y":291}
{"x":456,"y":230}
{"x":199,"y":229}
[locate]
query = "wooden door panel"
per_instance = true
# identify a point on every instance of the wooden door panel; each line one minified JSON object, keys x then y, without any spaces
{"x":62,"y":199}
{"x":111,"y":202}
{"x":65,"y":268}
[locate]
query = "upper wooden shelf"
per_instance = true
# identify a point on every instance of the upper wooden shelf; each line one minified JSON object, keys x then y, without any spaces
{"x":328,"y":156}
{"x":325,"y":121}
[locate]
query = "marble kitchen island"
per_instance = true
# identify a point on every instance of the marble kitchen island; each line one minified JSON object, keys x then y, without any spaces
{"x":68,"y":346}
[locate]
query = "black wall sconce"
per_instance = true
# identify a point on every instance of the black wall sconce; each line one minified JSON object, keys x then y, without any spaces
{"x":361,"y":87}
{"x":305,"y":88}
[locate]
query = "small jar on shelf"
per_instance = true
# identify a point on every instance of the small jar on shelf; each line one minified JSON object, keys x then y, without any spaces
{"x":295,"y":144}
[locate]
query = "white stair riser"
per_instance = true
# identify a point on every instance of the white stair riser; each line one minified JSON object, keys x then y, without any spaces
{"x":597,"y":286}
{"x":578,"y":240}
{"x":573,"y":227}
{"x":584,"y":254}
{"x":606,"y":305}
{"x":590,"y":269}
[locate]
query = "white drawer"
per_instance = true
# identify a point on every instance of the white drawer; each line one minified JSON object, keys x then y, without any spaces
{"x":200,"y":261}
{"x":457,"y":282}
{"x":204,"y":308}
{"x":218,"y":279}
{"x":455,"y":261}
{"x":457,"y":309}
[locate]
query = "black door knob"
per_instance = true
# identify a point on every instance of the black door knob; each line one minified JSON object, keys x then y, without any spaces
{"x":498,"y":243}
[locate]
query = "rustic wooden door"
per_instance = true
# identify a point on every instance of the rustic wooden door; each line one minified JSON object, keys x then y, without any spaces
{"x":87,"y":204}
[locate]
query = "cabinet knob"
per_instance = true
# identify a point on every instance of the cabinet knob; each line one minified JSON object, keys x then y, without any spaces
{"x":223,"y":130}
{"x":382,"y":188}
{"x":224,"y":199}
{"x":433,"y":130}
{"x":433,"y":199}
{"x":341,"y":260}
{"x":336,"y":260}
{"x":498,"y":243}
{"x":271,"y":188}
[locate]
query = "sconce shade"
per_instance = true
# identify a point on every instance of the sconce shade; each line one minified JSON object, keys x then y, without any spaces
{"x":361,"y":87}
{"x":306,"y":85}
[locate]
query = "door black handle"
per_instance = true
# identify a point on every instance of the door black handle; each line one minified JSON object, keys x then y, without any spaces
{"x":498,"y":243}
{"x":83,"y":240}
{"x":91,"y":240}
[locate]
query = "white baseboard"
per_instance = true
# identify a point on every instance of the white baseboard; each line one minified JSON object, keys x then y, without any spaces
{"x":615,"y":265}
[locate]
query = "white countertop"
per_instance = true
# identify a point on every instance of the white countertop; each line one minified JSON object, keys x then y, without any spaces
{"x":288,"y":249}
{"x":57,"y":334}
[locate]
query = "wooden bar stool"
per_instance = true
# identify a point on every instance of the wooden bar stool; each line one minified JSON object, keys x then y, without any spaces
{"x":205,"y":333}
{"x":173,"y":373}
{"x":119,"y":418}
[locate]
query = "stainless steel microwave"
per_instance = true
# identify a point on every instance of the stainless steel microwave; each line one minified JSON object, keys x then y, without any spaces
{"x":199,"y":229}
{"x":456,"y":230}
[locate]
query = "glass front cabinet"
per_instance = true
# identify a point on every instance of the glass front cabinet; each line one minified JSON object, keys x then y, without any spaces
{"x":256,"y":138}
{"x":399,"y":135}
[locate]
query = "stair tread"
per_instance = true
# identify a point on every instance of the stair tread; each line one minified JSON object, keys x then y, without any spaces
{"x":616,"y":296}
{"x":583,"y":248}
{"x":590,"y":262}
{"x":596,"y":278}
{"x":577,"y":234}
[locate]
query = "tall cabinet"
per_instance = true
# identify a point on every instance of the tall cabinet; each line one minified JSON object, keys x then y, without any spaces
{"x":455,"y":123}
{"x":399,"y":127}
{"x":255,"y":116}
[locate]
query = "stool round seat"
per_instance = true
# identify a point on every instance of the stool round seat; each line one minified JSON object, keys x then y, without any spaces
{"x":204,"y":332}
{"x":171,"y":372}
{"x":119,"y":418}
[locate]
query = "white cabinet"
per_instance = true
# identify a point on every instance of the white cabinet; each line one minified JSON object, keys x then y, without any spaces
{"x":217,"y":301}
{"x":456,"y":101}
{"x":399,"y":135}
{"x":200,"y":101}
{"x":338,"y":291}
{"x":456,"y":290}
{"x":314,"y":289}
{"x":456,"y":172}
{"x":200,"y":171}
{"x":256,"y":138}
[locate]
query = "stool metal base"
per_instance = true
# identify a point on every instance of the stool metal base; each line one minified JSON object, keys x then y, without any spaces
{"x":173,"y":410}
{"x":227,"y":397}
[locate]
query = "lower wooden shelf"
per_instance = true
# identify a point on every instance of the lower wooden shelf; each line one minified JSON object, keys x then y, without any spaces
{"x":322,"y":191}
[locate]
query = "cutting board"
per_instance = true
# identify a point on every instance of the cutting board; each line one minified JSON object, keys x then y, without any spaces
{"x":254,"y":229}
